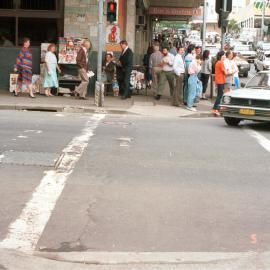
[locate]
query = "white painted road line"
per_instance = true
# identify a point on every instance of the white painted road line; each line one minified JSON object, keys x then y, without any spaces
{"x":264,"y":142}
{"x":24,"y":233}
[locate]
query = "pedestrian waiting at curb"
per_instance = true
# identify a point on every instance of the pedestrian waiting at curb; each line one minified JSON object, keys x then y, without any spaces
{"x":24,"y":68}
{"x":125,"y":65}
{"x":205,"y":72}
{"x":229,"y":70}
{"x":194,"y":84}
{"x":155,"y":66}
{"x":220,"y":80}
{"x":188,"y":58}
{"x":167,"y":72}
{"x":236,"y":71}
{"x":50,"y":77}
{"x":83,"y":67}
{"x":179,"y":70}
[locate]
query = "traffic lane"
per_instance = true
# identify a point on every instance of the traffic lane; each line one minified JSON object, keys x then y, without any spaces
{"x":179,"y":185}
{"x":38,"y":131}
{"x":19,"y":132}
{"x":262,"y":128}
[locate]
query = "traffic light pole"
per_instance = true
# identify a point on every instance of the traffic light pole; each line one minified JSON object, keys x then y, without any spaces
{"x":100,"y":40}
{"x":204,"y":24}
{"x":99,"y":91}
{"x":223,"y":29}
{"x":263,"y":19}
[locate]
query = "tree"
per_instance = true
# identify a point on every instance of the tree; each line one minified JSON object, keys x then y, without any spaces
{"x":233,"y":27}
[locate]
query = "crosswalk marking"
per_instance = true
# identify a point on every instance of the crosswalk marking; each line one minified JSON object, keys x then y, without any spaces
{"x":263,"y":141}
{"x":24,"y":232}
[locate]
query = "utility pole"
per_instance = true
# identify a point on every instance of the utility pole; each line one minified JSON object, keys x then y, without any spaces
{"x":263,"y":19}
{"x":205,"y":5}
{"x":99,"y":91}
{"x":223,"y":29}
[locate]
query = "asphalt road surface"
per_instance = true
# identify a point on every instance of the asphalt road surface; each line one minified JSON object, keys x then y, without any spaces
{"x":129,"y":183}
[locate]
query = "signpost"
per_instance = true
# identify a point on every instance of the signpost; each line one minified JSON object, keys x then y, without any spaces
{"x":99,"y":89}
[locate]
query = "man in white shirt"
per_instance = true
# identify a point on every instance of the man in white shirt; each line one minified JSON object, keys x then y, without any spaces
{"x":229,"y":70}
{"x":167,"y":73}
{"x":179,"y":70}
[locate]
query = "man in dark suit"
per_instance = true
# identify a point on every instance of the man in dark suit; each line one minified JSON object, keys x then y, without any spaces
{"x":126,"y":63}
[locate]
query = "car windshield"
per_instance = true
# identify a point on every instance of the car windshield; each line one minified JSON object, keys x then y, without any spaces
{"x":260,"y":81}
{"x":243,"y":48}
{"x":266,"y":46}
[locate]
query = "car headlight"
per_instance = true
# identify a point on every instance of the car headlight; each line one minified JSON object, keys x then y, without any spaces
{"x":227,"y":99}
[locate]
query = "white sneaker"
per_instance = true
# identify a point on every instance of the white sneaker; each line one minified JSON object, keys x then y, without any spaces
{"x":191,"y":109}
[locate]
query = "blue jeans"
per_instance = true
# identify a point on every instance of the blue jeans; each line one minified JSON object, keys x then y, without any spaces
{"x":236,"y":82}
{"x":192,"y":90}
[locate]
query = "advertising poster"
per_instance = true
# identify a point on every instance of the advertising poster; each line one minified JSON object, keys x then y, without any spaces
{"x":112,"y":34}
{"x":68,"y":49}
{"x":13,"y":82}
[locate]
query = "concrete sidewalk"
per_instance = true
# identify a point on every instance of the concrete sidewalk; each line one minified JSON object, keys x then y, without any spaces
{"x":139,"y":105}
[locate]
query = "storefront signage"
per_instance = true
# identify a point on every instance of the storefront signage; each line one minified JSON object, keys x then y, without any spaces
{"x":175,"y":11}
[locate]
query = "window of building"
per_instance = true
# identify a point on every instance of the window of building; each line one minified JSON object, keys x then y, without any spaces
{"x":31,"y":28}
{"x":40,"y":20}
{"x":6,"y":4}
{"x":7,"y":31}
{"x":38,"y":4}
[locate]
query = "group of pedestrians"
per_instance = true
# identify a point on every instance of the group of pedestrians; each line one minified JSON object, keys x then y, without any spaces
{"x":226,"y":74}
{"x":188,"y":73}
{"x":182,"y":71}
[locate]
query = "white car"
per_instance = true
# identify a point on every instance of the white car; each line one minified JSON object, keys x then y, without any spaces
{"x":263,"y":61}
{"x":251,"y":102}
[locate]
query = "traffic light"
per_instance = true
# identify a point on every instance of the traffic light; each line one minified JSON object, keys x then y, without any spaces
{"x":219,"y":6}
{"x":111,"y":11}
{"x":223,"y":19}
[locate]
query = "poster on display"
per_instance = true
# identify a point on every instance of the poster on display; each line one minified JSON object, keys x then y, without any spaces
{"x":68,"y":49}
{"x":43,"y":50}
{"x":13,"y":78}
{"x":113,"y":34}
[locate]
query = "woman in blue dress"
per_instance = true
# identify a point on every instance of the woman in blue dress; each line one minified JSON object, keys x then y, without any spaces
{"x":50,"y":78}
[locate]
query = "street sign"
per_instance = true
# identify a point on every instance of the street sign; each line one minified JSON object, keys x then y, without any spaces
{"x":175,"y":11}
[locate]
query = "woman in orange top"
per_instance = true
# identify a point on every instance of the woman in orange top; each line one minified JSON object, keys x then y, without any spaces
{"x":220,"y":80}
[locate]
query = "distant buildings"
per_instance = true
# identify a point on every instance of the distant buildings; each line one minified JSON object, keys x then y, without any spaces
{"x":212,"y":16}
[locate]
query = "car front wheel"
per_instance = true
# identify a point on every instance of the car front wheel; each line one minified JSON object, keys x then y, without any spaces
{"x":231,"y":121}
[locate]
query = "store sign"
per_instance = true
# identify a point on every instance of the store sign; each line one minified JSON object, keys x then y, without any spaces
{"x":175,"y":11}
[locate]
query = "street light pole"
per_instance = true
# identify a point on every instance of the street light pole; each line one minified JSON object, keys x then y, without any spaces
{"x":263,"y":19}
{"x":204,"y":24}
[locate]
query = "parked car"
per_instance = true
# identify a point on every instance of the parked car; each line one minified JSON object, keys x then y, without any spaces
{"x":245,"y":52}
{"x":194,"y":39}
{"x":243,"y":66}
{"x":263,"y":60}
{"x":213,"y":50}
{"x":251,"y":102}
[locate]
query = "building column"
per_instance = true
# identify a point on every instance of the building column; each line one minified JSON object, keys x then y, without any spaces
{"x":131,"y":23}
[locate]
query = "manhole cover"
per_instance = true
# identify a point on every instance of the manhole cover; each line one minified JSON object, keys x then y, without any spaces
{"x":29,"y":158}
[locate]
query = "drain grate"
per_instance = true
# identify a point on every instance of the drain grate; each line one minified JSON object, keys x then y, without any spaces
{"x":29,"y":158}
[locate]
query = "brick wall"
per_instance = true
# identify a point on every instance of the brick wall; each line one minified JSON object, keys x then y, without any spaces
{"x":81,"y":18}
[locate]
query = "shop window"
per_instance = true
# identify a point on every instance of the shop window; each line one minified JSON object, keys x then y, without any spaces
{"x":6,"y":4}
{"x":7,"y":31}
{"x":38,"y":30}
{"x":38,"y":4}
